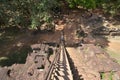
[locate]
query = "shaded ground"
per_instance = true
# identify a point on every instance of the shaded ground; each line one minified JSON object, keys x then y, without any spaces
{"x":16,"y":56}
{"x":101,"y":41}
{"x":15,"y":46}
{"x":13,"y":39}
{"x":25,"y":38}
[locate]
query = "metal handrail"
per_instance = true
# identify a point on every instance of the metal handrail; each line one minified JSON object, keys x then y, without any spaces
{"x":51,"y":68}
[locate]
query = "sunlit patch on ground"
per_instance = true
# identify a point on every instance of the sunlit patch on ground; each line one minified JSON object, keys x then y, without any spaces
{"x":114,"y":48}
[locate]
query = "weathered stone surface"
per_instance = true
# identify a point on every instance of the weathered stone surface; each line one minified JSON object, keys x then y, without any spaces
{"x":116,"y":75}
{"x":95,"y":56}
{"x":97,"y":60}
{"x":34,"y":68}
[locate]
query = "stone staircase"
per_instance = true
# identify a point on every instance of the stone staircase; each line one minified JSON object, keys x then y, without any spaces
{"x":62,"y":69}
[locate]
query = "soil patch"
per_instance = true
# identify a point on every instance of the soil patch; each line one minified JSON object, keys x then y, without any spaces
{"x":114,"y":48}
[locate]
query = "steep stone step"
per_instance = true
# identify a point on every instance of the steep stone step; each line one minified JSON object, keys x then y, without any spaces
{"x":63,"y":71}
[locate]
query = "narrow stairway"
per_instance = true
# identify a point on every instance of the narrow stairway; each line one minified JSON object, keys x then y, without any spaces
{"x":63,"y":71}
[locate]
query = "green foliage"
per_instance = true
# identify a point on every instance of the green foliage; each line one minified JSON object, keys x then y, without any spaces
{"x":111,"y":75}
{"x":109,"y":6}
{"x":84,"y":3}
{"x":24,"y":13}
{"x":112,"y":7}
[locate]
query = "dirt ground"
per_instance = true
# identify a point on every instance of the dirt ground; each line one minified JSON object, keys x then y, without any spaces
{"x":114,"y":48}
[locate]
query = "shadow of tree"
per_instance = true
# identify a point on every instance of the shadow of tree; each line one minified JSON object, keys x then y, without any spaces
{"x":8,"y":34}
{"x":93,"y":25}
{"x":16,"y":56}
{"x":101,"y":41}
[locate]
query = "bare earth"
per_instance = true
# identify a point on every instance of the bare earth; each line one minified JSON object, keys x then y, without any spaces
{"x":114,"y":48}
